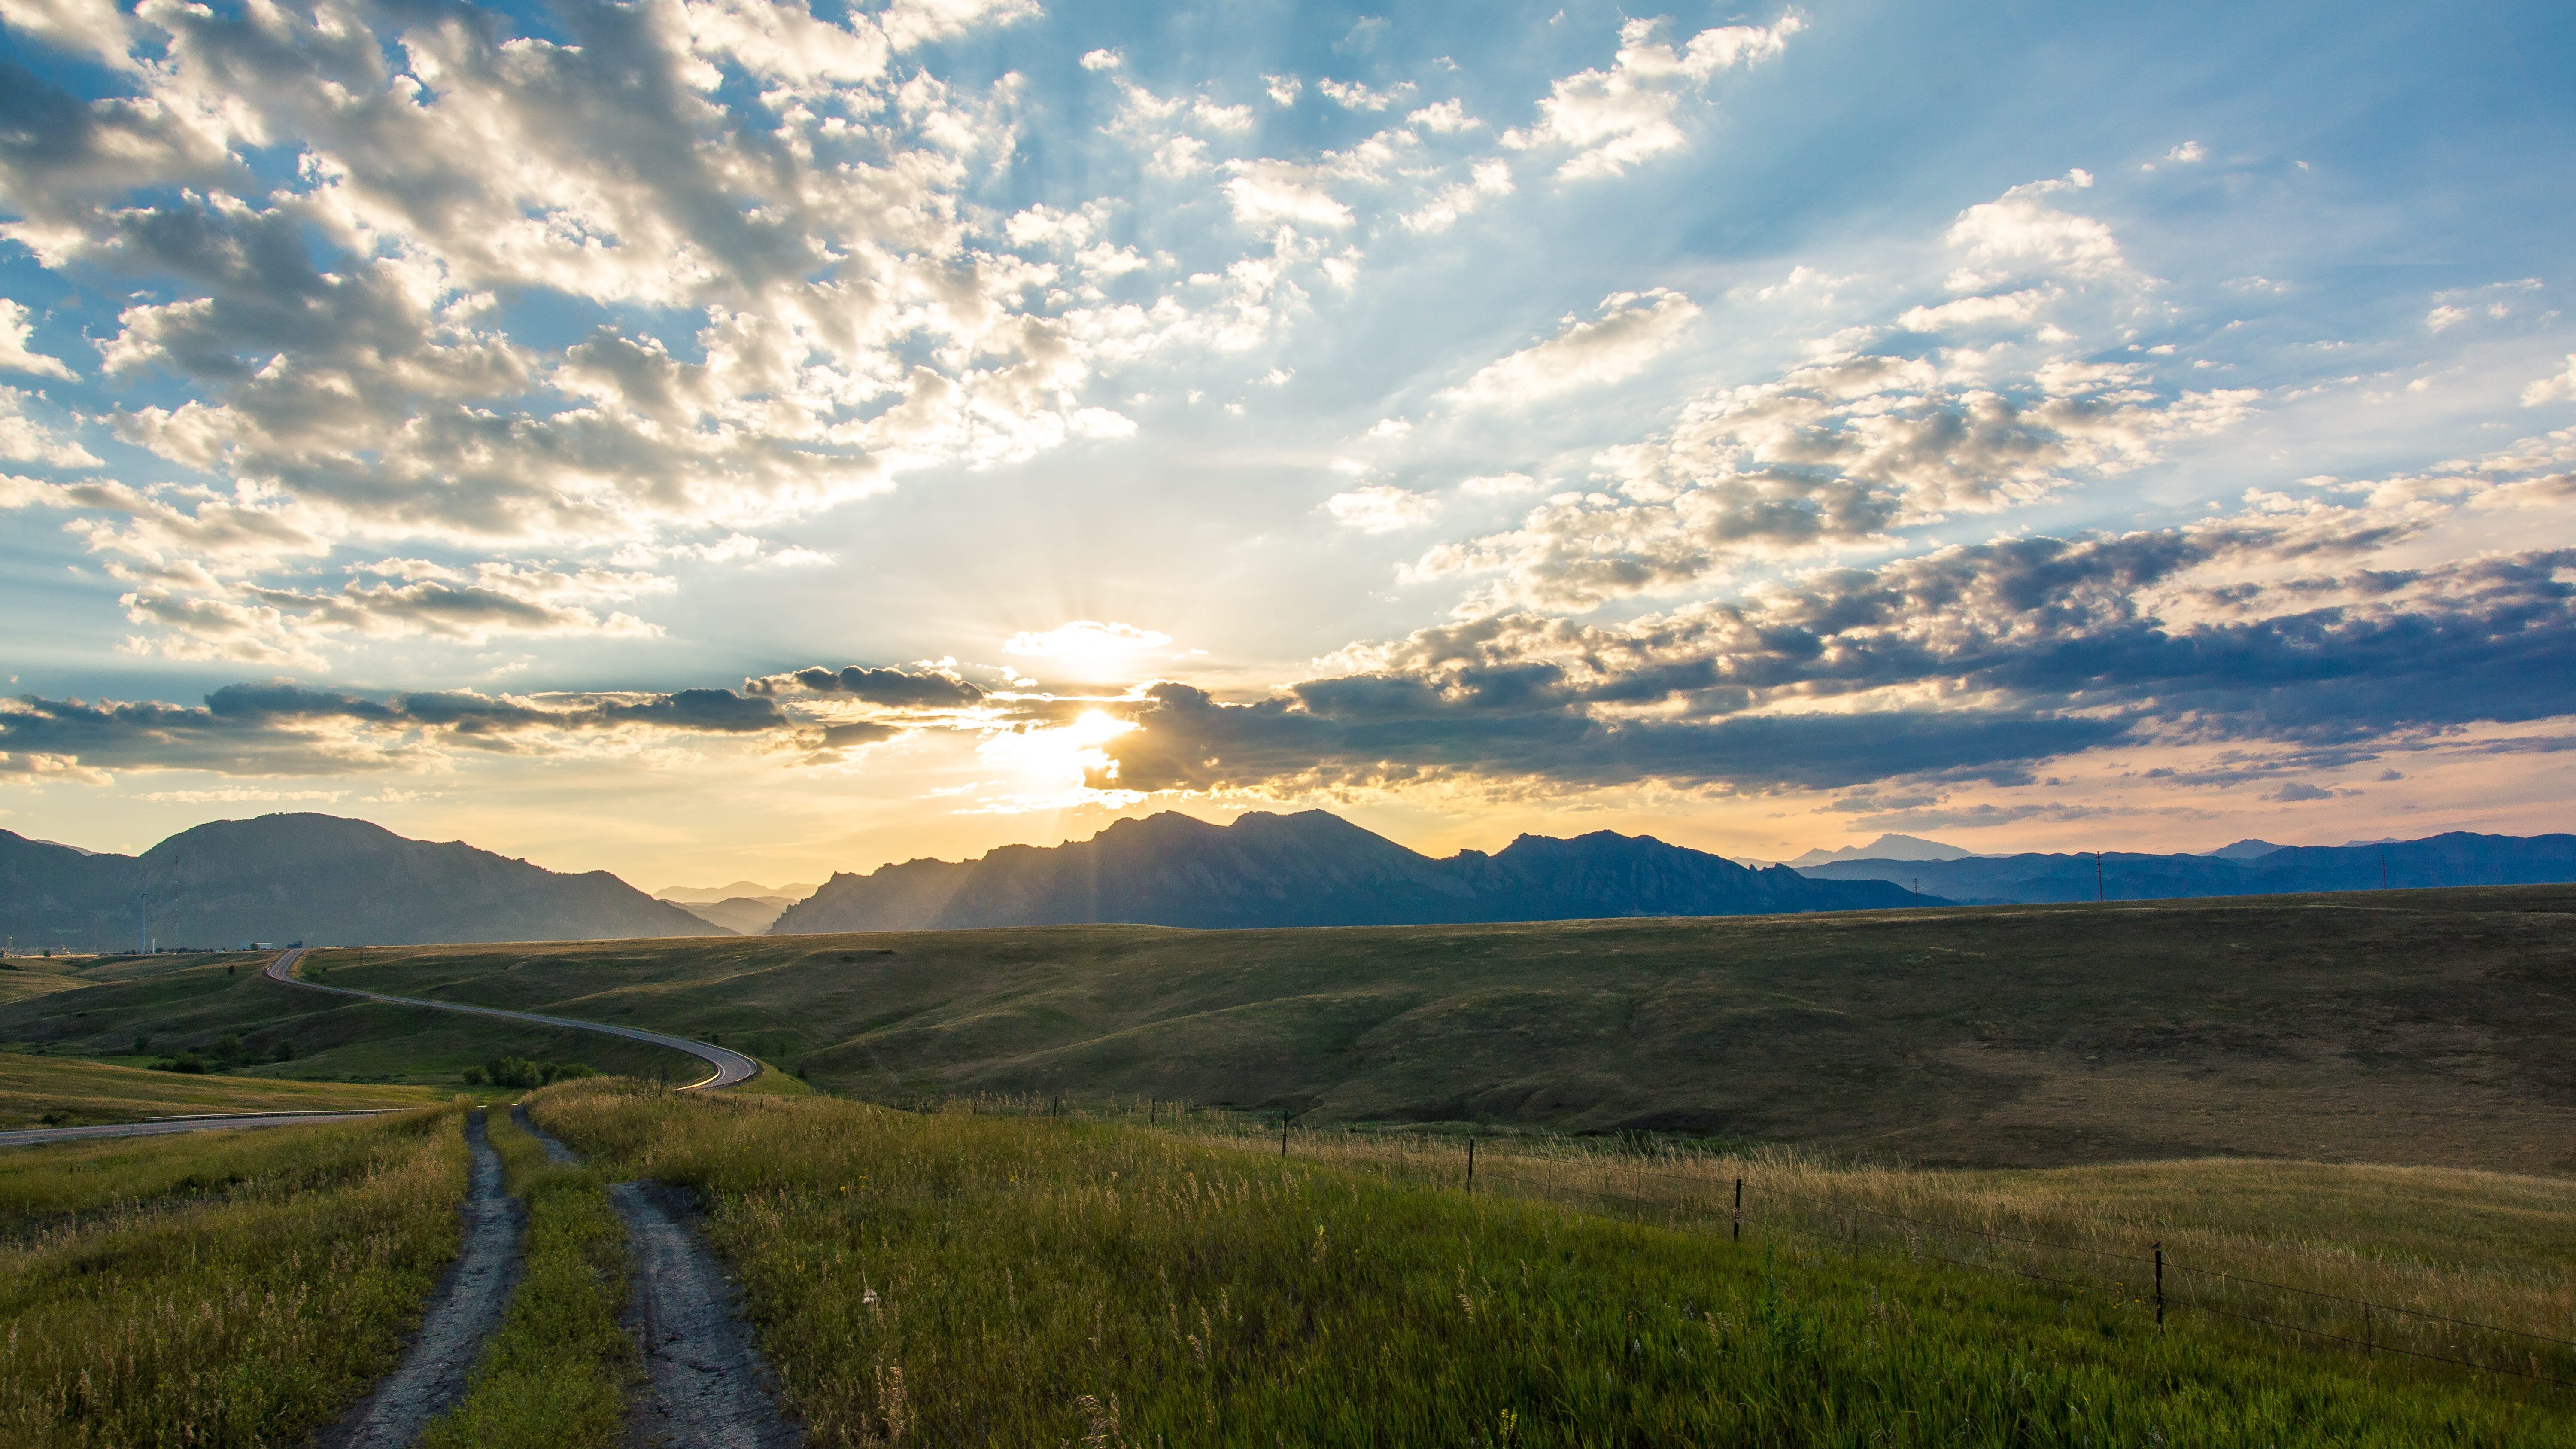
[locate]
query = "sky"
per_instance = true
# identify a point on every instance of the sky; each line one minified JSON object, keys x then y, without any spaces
{"x":714,"y":439}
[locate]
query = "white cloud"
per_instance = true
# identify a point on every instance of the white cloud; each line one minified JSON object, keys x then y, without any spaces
{"x":1268,"y":192}
{"x":2549,"y":388}
{"x":2013,"y":307}
{"x":1353,"y":96}
{"x":1486,"y":180}
{"x":15,"y":356}
{"x":1497,"y":485}
{"x":24,"y":440}
{"x":1612,"y":119}
{"x":1282,"y":89}
{"x":1102,"y":60}
{"x":1447,"y":118}
{"x":1382,"y":508}
{"x":1084,"y":639}
{"x":1634,"y":329}
{"x":2019,"y":228}
{"x":2188,"y":152}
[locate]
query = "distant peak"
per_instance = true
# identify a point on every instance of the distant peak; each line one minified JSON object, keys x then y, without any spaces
{"x":1887,"y":847}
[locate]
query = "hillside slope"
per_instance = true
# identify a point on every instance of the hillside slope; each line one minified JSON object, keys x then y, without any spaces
{"x":2454,"y":859}
{"x":2407,"y":1026}
{"x":315,"y":878}
{"x":1308,"y":869}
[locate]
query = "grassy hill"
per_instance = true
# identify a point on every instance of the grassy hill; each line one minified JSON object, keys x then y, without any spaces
{"x":42,"y":1091}
{"x":193,"y":1003}
{"x":2408,"y":1026}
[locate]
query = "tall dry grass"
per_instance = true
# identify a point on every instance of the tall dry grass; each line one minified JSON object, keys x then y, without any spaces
{"x":247,"y":1316}
{"x":989,"y":1279}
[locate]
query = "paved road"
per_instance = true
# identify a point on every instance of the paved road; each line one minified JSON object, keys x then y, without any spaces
{"x":730,"y":1066}
{"x":29,"y":1137}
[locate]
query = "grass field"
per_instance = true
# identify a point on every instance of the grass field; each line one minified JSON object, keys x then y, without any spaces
{"x":218,"y":1289}
{"x":53,"y":1092}
{"x":24,"y":976}
{"x":961,"y":1278}
{"x":2418,"y":1027}
{"x":182,"y":1003}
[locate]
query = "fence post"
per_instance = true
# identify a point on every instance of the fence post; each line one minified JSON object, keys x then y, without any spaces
{"x":1283,"y":1136}
{"x":1471,"y":1164}
{"x":1739,"y":1210}
{"x":2160,"y":1285}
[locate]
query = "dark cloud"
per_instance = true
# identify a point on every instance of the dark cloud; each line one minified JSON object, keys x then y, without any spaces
{"x":281,"y":728}
{"x":934,"y":689}
{"x":2052,"y":645}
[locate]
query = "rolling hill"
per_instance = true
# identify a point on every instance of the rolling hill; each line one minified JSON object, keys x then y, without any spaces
{"x":2422,"y":1027}
{"x":315,"y":878}
{"x":1309,"y":869}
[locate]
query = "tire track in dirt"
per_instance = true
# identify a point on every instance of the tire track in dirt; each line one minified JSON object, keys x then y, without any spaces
{"x":710,"y":1387}
{"x":462,"y":1313}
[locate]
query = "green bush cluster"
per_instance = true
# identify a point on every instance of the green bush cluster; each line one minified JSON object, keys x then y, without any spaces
{"x":228,"y":1051}
{"x":521,"y":1072}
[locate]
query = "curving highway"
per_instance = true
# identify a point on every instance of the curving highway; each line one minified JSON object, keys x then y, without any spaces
{"x":730,"y":1066}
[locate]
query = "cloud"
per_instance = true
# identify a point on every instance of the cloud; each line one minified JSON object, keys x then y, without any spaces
{"x":15,"y":356}
{"x":1380,"y":508}
{"x":1497,"y":485}
{"x":280,"y":728}
{"x":795,"y":306}
{"x":1084,"y":638}
{"x":25,"y":440}
{"x":897,"y":688}
{"x":1613,"y":119}
{"x":2015,"y":307}
{"x":2293,"y":791}
{"x":2550,"y":388}
{"x":1634,"y":329}
{"x":1352,"y":96}
{"x":2022,"y":231}
{"x":1975,"y":660}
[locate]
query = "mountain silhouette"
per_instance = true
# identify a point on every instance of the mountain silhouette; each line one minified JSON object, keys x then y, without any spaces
{"x":1309,"y":869}
{"x":320,"y":879}
{"x":2454,"y":859}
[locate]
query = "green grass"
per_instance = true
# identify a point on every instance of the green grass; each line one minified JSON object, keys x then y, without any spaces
{"x":217,"y":1289}
{"x":2404,"y":1026}
{"x":191,"y":1003}
{"x":555,"y":1375}
{"x":52,"y":1092}
{"x":950,"y":1278}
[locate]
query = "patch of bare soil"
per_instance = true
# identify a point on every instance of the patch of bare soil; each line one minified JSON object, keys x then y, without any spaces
{"x":710,"y":1387}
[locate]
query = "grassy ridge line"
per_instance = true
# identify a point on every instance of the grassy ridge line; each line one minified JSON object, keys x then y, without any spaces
{"x":555,"y":1375}
{"x":48,"y":1091}
{"x":962,"y":1279}
{"x":245,"y":1318}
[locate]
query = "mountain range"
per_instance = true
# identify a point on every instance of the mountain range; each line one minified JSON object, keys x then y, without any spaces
{"x":2247,"y":868}
{"x":315,"y":878}
{"x":1310,"y":869}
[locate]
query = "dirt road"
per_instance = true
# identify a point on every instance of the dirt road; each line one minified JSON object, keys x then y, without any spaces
{"x":466,"y":1308}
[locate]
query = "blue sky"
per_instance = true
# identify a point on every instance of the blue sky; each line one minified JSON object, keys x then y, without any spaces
{"x":2034,"y":426}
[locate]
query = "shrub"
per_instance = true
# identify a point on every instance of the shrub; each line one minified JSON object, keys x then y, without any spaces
{"x":285,"y":1052}
{"x":476,"y":1076}
{"x":188,"y":1062}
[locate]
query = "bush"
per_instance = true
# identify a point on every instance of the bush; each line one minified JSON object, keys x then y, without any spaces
{"x":285,"y":1052}
{"x":476,"y":1076}
{"x":188,"y":1062}
{"x":228,"y":1049}
{"x":142,"y":1045}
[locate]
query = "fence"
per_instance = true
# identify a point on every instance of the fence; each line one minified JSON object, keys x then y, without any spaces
{"x":1759,"y":1193}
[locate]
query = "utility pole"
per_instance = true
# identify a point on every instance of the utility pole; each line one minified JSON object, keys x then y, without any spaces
{"x":2099,"y":892}
{"x":2383,"y":870}
{"x":143,"y":925}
